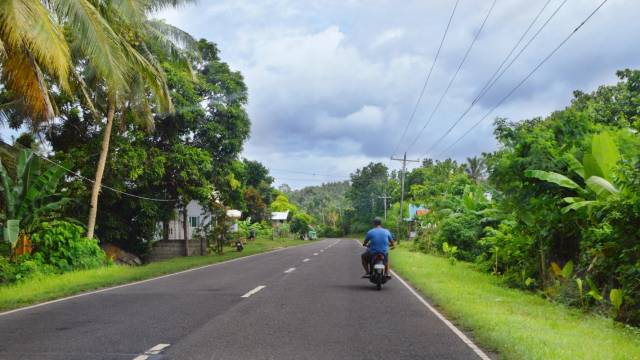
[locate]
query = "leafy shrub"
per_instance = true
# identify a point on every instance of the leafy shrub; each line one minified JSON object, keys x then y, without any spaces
{"x":300,"y":223}
{"x":510,"y":253}
{"x":23,"y":268}
{"x":463,"y":231}
{"x":330,"y":231}
{"x":62,"y":245}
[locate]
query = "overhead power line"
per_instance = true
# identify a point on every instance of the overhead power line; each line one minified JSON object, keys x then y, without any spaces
{"x":311,"y":180}
{"x":77,"y":174}
{"x":304,"y":173}
{"x":498,"y":73}
{"x":426,"y":81}
{"x":464,"y":59}
{"x":526,"y":77}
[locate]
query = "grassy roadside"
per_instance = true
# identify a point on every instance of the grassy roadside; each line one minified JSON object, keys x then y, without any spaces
{"x":52,"y":287}
{"x":516,"y":324}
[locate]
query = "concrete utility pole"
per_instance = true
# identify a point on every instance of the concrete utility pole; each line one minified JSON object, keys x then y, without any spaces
{"x":404,"y":167}
{"x":384,"y":199}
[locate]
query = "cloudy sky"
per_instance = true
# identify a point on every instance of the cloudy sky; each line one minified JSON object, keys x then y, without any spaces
{"x":332,"y":84}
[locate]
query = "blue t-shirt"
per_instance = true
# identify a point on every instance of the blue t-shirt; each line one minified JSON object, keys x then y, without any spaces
{"x":379,"y":240}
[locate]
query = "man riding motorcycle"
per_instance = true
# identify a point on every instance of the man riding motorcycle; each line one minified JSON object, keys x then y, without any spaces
{"x":378,"y":240}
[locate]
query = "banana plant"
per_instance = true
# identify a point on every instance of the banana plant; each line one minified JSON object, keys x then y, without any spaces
{"x":596,"y":169}
{"x":30,"y":196}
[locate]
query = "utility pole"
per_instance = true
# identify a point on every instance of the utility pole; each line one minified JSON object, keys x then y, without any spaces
{"x":384,"y":199}
{"x":404,"y":167}
{"x":373,"y":204}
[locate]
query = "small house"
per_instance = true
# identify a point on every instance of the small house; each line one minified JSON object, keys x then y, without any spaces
{"x":279,"y":217}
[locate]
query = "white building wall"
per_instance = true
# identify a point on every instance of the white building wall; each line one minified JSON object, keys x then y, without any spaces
{"x":195,"y":215}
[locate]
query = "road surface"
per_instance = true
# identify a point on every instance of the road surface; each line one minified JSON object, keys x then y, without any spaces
{"x":305,"y":302}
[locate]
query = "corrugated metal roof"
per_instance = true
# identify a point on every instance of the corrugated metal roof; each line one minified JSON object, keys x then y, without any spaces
{"x":282,"y":215}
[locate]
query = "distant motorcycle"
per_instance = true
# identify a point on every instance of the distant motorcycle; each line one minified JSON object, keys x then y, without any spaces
{"x":239,"y":245}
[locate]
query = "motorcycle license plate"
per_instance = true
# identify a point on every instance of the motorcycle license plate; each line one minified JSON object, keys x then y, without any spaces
{"x":378,"y":266}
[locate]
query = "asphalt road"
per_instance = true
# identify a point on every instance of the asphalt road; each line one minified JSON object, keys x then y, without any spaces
{"x":305,"y":302}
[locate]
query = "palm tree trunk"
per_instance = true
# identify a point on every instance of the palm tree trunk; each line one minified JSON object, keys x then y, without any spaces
{"x":104,"y":150}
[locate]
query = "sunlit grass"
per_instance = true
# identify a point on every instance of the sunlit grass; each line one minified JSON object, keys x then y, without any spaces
{"x":49,"y":287}
{"x":516,"y":324}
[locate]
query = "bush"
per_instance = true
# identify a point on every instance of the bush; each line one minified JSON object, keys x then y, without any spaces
{"x":462,"y":230}
{"x":329,"y":231}
{"x":62,"y":245}
{"x":24,"y":267}
{"x":300,"y":223}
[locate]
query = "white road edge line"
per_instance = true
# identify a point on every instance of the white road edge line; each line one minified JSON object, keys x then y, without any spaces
{"x":452,"y":327}
{"x":289,"y":270}
{"x":305,"y":260}
{"x":138,"y":282}
{"x":252,"y":292}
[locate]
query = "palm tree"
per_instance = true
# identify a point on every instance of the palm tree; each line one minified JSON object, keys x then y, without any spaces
{"x":110,"y":60}
{"x":475,"y":168}
{"x":32,"y":44}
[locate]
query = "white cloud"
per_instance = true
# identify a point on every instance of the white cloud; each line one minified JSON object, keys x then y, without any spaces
{"x":387,"y":37}
{"x":332,"y":83}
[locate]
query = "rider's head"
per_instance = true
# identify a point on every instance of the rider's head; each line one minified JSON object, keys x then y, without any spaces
{"x":377,"y":221}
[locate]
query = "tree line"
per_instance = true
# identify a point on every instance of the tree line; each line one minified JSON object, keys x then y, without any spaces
{"x":127,"y":119}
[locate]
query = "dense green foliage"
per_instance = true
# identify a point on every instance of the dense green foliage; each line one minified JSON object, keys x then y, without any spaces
{"x":564,"y":201}
{"x":58,"y":246}
{"x":159,"y":111}
{"x":328,"y":206}
{"x":63,"y":245}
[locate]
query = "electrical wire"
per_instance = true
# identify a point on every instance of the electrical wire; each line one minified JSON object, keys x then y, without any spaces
{"x":77,"y":174}
{"x":464,"y":59}
{"x":302,"y":172}
{"x":426,"y":81}
{"x":525,"y":78}
{"x":493,"y":79}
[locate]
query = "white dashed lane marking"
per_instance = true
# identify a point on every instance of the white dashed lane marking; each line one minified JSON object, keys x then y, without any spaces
{"x":315,"y":254}
{"x":305,"y":260}
{"x":153,"y":351}
{"x":289,"y":270}
{"x":254,"y":291}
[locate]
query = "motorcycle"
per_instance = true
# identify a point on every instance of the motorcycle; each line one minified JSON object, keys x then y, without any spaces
{"x":376,"y":271}
{"x":239,"y":245}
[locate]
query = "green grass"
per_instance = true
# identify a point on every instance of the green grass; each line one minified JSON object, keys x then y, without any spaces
{"x":50,"y":287}
{"x":516,"y":324}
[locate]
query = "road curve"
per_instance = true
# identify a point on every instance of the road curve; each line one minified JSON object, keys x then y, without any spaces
{"x":305,"y":302}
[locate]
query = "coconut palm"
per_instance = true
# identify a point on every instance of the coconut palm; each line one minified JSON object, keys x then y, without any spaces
{"x":475,"y":167}
{"x":104,"y":58}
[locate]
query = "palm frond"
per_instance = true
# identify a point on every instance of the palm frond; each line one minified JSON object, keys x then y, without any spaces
{"x":152,"y":74}
{"x":23,"y":76}
{"x":25,"y":26}
{"x":96,"y":39}
{"x":157,"y":5}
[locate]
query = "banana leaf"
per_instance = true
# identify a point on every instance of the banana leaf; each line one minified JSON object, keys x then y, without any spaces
{"x":554,"y":178}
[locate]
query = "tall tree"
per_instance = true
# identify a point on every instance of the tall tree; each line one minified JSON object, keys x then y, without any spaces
{"x":103,"y":57}
{"x":475,"y":168}
{"x":366,"y":185}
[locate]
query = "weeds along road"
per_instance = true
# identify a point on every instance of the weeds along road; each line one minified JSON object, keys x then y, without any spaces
{"x":305,"y":302}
